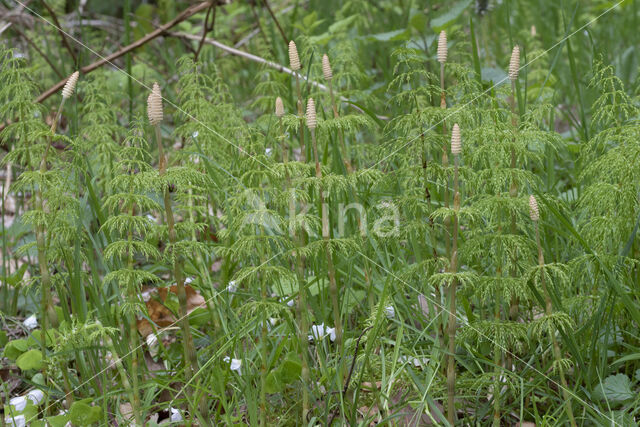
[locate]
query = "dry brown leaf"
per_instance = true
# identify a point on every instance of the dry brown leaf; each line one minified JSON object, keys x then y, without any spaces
{"x":159,"y":313}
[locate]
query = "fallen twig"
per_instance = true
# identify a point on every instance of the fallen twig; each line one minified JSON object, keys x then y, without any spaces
{"x":261,"y":60}
{"x":185,"y":14}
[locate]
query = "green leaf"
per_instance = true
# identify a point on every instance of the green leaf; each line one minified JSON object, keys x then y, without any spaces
{"x":440,"y":22}
{"x":493,"y":75}
{"x":15,"y":348}
{"x":419,"y":21}
{"x":58,"y":420}
{"x":273,"y":384}
{"x":290,"y":369}
{"x":32,"y":359}
{"x":615,"y":389}
{"x":82,"y":414}
{"x":391,"y":36}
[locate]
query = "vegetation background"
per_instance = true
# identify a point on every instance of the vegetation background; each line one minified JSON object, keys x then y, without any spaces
{"x":436,"y":224}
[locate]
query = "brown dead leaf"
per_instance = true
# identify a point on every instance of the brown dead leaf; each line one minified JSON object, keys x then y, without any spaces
{"x":159,"y":313}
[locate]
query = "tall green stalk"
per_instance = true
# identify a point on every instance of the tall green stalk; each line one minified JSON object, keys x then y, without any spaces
{"x":333,"y":285}
{"x":48,"y":312}
{"x":453,"y":267}
{"x":155,"y":116}
{"x":557,"y":354}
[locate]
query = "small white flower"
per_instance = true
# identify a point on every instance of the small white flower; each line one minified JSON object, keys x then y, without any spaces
{"x":418,"y":363}
{"x":152,"y":342}
{"x":320,"y":331}
{"x":232,"y":288}
{"x":390,"y":312}
{"x":36,"y":396}
{"x":188,"y":280}
{"x":195,"y":134}
{"x":19,"y":403}
{"x":234,"y":364}
{"x":176,"y":416}
{"x":268,"y":151}
{"x":17,"y":421}
{"x":146,"y":296}
{"x":30,"y":322}
{"x":290,"y":302}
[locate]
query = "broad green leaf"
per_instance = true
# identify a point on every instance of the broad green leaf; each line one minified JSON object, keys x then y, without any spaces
{"x":440,"y":22}
{"x":82,"y":414}
{"x":494,"y":75}
{"x":32,"y":359}
{"x":615,"y":389}
{"x":59,"y":420}
{"x":273,"y":383}
{"x":13,"y":349}
{"x":419,"y":21}
{"x":290,"y":369}
{"x":391,"y":36}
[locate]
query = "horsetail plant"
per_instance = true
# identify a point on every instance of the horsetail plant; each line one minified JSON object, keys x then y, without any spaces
{"x":514,"y":69}
{"x":48,"y":313}
{"x":442,"y":54}
{"x":552,"y":324}
{"x":333,"y":286}
{"x":298,"y":240}
{"x":127,"y":204}
{"x":456,"y":149}
{"x":155,"y":114}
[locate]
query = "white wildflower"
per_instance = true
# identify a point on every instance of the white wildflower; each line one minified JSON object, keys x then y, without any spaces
{"x":152,"y":343}
{"x":30,"y":322}
{"x":234,"y":364}
{"x":36,"y":396}
{"x":176,"y":416}
{"x":232,"y":288}
{"x":320,"y":331}
{"x":17,"y":421}
{"x":19,"y":403}
{"x":390,"y":312}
